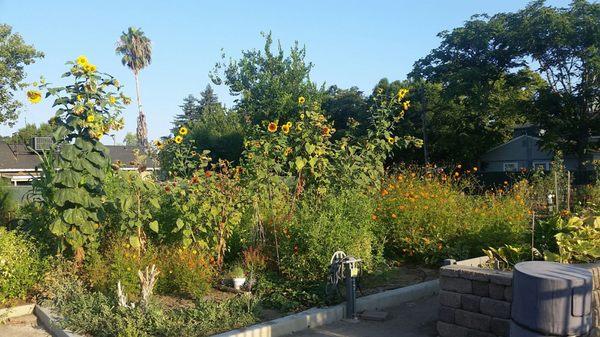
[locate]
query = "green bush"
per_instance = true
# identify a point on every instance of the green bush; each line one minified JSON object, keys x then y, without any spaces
{"x":118,"y":261}
{"x":428,"y":218}
{"x":323,"y":225}
{"x":21,"y":266}
{"x":97,"y":314}
{"x":184,"y":271}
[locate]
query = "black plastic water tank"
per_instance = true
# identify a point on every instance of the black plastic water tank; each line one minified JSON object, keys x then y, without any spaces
{"x":551,"y":299}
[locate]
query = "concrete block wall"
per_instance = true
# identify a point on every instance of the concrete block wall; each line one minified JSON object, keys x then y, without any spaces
{"x":595,"y":269}
{"x":474,"y":302}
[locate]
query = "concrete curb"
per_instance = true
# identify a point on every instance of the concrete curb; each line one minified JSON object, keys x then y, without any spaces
{"x":20,"y":310}
{"x":316,"y":317}
{"x":50,"y":323}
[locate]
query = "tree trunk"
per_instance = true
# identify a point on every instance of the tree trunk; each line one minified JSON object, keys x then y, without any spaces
{"x":142,"y":131}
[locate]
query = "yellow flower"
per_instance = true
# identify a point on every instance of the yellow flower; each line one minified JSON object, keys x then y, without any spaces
{"x":158,"y":144}
{"x":79,"y":97}
{"x":301,"y":100}
{"x":34,"y":96}
{"x":391,"y":140}
{"x":272,"y":127}
{"x":178,"y":139}
{"x":90,"y":68}
{"x":326,"y":130}
{"x":90,"y":119}
{"x":406,"y":105}
{"x":112,"y":99}
{"x":286,"y":128}
{"x":287,"y":151}
{"x":82,"y":60}
{"x":301,"y":116}
{"x":183,"y":131}
{"x":401,"y":93}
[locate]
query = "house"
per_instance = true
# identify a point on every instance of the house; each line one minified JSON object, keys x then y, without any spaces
{"x":524,"y":152}
{"x":20,"y":164}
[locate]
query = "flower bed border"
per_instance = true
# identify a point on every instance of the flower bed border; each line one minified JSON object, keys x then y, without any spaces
{"x":316,"y":317}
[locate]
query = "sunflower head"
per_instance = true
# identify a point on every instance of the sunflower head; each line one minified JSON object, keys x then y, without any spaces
{"x":286,"y":128}
{"x":326,"y":131}
{"x":178,"y":139}
{"x":34,"y":96}
{"x":301,"y":100}
{"x":90,"y":118}
{"x":406,"y":105}
{"x":391,"y":140}
{"x":183,"y":131}
{"x":82,"y":60}
{"x":272,"y":127}
{"x":112,"y":99}
{"x":89,"y":68}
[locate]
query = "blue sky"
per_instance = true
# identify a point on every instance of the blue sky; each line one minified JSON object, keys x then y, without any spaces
{"x":351,"y":43}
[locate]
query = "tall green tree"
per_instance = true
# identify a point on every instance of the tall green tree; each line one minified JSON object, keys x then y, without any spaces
{"x":193,"y":108}
{"x":482,"y":95}
{"x":267,"y":84}
{"x":15,"y":54}
{"x":30,"y":130}
{"x":562,"y":45}
{"x":347,"y":108}
{"x":136,"y":50}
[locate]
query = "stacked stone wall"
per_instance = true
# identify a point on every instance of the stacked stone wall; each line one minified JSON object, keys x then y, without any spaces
{"x":476,"y":302}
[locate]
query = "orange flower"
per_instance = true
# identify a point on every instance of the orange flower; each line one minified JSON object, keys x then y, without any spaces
{"x":272,"y":127}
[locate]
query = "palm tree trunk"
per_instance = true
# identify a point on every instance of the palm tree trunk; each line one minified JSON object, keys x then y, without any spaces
{"x":142,"y":130}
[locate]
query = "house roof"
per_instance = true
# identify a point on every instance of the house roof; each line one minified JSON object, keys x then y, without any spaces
{"x":17,"y":157}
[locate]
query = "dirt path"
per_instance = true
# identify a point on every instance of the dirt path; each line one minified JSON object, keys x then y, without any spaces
{"x":412,"y":319}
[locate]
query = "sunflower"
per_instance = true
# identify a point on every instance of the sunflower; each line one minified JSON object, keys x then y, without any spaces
{"x":183,"y":131}
{"x":79,"y":97}
{"x":158,"y":144}
{"x":82,"y":60}
{"x":90,"y":68}
{"x":178,"y":139}
{"x":112,"y":99}
{"x":286,"y":128}
{"x":406,"y":105}
{"x":272,"y":127}
{"x":90,"y":119}
{"x":301,"y":100}
{"x":401,"y":93}
{"x":326,"y":130}
{"x":391,"y":140}
{"x":34,"y":96}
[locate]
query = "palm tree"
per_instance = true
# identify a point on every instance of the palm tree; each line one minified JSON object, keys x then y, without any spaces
{"x":136,"y":49}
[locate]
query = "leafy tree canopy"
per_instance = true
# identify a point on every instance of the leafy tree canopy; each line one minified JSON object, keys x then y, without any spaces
{"x":15,"y":54}
{"x":268,"y":84}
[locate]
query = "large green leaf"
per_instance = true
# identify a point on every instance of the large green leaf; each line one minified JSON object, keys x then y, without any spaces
{"x":75,"y":216}
{"x":154,"y":226}
{"x":67,"y":178}
{"x":58,"y":227}
{"x":83,"y":145}
{"x":68,"y":152}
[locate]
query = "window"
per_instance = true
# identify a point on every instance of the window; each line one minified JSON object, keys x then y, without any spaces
{"x":541,"y":165}
{"x":511,"y":166}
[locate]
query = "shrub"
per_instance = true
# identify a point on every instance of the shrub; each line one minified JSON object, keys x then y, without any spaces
{"x":21,"y":266}
{"x":118,"y":261}
{"x":322,"y":226}
{"x":184,"y":271}
{"x":429,"y":217}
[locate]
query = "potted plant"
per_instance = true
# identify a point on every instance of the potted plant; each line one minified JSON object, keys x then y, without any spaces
{"x":237,"y":275}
